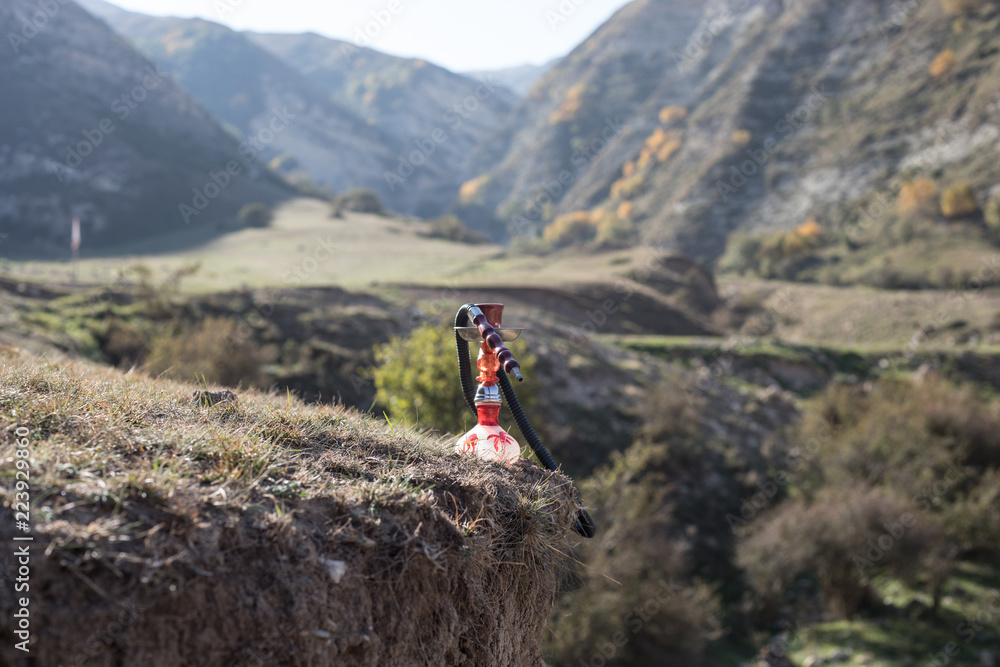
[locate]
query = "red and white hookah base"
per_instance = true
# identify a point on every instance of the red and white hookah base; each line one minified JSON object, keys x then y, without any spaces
{"x":487,"y":439}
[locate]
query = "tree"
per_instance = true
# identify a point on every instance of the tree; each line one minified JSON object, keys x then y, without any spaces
{"x":256,"y":215}
{"x":417,"y":380}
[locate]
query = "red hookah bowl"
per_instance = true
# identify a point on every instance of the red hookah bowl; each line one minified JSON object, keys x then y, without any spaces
{"x":493,"y":313}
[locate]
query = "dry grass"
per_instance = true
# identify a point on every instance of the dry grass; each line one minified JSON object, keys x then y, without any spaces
{"x":266,"y":532}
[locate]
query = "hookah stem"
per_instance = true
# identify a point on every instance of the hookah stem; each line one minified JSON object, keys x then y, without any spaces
{"x":584,"y":523}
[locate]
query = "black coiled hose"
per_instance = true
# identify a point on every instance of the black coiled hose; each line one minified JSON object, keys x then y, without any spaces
{"x":584,"y":523}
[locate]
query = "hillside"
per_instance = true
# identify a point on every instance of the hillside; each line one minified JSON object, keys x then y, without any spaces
{"x":688,"y":94}
{"x":92,"y":129}
{"x":355,"y":110}
{"x":269,"y":532}
{"x":407,"y":99}
{"x":273,"y":108}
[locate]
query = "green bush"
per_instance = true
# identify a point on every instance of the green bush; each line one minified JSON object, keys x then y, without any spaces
{"x":643,"y":594}
{"x":357,"y":200}
{"x":842,"y":538}
{"x":124,"y":345}
{"x":449,"y":227}
{"x":213,"y":351}
{"x":256,"y":215}
{"x":416,"y":380}
{"x":992,"y":214}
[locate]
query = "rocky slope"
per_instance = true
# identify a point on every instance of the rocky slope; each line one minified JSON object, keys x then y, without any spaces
{"x":823,"y":107}
{"x":90,"y":128}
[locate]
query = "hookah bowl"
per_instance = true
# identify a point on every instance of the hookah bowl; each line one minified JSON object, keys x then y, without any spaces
{"x":487,"y":439}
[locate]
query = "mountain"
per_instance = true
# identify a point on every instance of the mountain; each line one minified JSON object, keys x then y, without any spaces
{"x":753,"y":114}
{"x":402,"y":127}
{"x":253,"y":93}
{"x":90,"y":128}
{"x":408,"y":99}
{"x":519,"y":78}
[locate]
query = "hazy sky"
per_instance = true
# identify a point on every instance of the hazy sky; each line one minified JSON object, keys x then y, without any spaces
{"x":458,"y":34}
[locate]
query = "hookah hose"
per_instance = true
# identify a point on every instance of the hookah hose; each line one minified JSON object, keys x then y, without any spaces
{"x":584,"y":523}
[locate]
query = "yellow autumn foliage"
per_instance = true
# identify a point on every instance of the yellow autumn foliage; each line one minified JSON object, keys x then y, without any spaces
{"x":943,"y":63}
{"x":809,"y":229}
{"x":627,"y":188}
{"x":741,"y":137}
{"x":672,"y":113}
{"x":574,"y":227}
{"x":624,"y":211}
{"x":959,"y":201}
{"x":628,"y":169}
{"x":918,"y":194}
{"x":961,"y":7}
{"x":570,"y":105}
{"x":471,"y":189}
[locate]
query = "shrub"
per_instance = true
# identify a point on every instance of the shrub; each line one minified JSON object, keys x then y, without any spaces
{"x":576,"y":227}
{"x":571,"y":104}
{"x":678,"y":613}
{"x":961,"y":7}
{"x":124,"y":345}
{"x":672,"y":114}
{"x":919,"y":195}
{"x":943,"y":63}
{"x":471,"y":192}
{"x":842,"y":538}
{"x":627,"y":188}
{"x":214,"y":351}
{"x":417,"y":381}
{"x":741,"y":137}
{"x":741,"y":253}
{"x":358,"y":200}
{"x":256,"y":215}
{"x":959,"y":201}
{"x":930,"y":441}
{"x":992,"y":213}
{"x":449,"y":227}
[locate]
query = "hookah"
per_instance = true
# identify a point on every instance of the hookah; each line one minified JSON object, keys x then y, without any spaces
{"x":482,"y":323}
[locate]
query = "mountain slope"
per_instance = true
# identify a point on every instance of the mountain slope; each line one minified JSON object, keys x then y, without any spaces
{"x":248,"y":88}
{"x":837,"y":103}
{"x":519,"y":78}
{"x":90,"y":128}
{"x":407,"y":98}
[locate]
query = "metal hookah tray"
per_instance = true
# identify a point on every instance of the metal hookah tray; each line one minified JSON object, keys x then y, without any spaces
{"x":506,"y":333}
